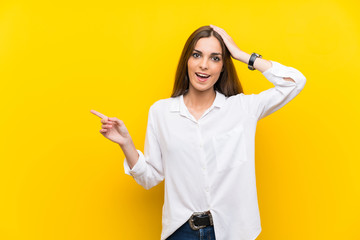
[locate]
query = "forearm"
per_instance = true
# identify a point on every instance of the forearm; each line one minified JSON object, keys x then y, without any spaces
{"x":260,"y":64}
{"x":130,"y":153}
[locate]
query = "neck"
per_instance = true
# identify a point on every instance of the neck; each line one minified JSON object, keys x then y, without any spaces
{"x":199,"y":100}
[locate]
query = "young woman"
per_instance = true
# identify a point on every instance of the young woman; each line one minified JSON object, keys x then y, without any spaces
{"x":201,"y":140}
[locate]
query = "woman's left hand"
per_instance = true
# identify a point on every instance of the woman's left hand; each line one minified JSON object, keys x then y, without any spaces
{"x":229,"y":42}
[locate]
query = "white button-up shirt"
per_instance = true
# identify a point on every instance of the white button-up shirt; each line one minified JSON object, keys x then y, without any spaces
{"x":208,"y":164}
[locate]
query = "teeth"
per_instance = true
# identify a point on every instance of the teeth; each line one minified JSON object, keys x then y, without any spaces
{"x":201,"y":75}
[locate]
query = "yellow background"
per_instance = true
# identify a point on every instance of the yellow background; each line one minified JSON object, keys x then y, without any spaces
{"x":61,"y":179}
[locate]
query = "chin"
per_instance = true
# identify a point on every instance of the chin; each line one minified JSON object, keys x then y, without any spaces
{"x":203,"y":88}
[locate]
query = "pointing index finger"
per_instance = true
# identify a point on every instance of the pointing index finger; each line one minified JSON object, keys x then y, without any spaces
{"x":99,"y":114}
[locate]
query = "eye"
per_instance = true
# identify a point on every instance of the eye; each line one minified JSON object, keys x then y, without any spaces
{"x":194,"y":54}
{"x":217,"y":59}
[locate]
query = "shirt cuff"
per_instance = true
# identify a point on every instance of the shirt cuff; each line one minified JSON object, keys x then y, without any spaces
{"x":276,"y":73}
{"x":138,"y":169}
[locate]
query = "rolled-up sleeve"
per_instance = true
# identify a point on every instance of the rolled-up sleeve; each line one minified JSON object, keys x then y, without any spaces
{"x":148,"y":170}
{"x":271,"y":100}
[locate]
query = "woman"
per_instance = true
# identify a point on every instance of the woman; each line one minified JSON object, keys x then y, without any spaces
{"x":201,"y":140}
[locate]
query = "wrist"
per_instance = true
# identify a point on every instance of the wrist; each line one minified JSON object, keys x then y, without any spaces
{"x":128,"y":143}
{"x":244,"y":57}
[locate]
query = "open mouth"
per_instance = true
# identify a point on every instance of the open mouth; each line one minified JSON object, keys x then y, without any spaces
{"x":202,"y":77}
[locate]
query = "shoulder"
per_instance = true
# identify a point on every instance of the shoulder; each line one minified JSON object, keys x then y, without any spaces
{"x":163,"y":104}
{"x":243,"y":101}
{"x":239,"y":98}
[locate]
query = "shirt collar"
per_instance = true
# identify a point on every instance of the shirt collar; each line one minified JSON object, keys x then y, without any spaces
{"x":178,"y":104}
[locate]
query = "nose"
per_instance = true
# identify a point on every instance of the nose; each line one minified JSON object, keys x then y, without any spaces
{"x":204,"y":64}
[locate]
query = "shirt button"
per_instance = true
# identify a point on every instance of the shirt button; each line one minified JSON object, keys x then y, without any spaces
{"x":201,"y":145}
{"x":207,"y":189}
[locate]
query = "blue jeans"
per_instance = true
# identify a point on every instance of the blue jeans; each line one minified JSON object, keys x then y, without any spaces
{"x":186,"y":233}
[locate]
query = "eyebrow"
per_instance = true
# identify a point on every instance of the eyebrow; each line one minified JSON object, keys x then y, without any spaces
{"x":210,"y":54}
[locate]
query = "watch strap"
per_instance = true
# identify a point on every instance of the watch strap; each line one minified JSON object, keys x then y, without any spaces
{"x":252,"y":60}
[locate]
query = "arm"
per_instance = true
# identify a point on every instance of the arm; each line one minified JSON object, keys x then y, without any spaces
{"x":147,"y":169}
{"x":288,"y":82}
{"x":260,"y":64}
{"x":130,"y":153}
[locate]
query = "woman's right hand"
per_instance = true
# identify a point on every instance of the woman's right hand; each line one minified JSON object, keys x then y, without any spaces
{"x":113,"y":129}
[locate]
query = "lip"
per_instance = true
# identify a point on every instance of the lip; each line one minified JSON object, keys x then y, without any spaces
{"x":203,"y":73}
{"x":202,"y":80}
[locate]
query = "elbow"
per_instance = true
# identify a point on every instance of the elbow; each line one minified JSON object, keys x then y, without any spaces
{"x":302,"y":79}
{"x":147,"y":186}
{"x":302,"y":82}
{"x":297,"y":77}
{"x":145,"y":183}
{"x":148,"y":183}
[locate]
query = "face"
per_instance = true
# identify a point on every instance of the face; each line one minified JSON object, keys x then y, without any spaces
{"x":205,"y":59}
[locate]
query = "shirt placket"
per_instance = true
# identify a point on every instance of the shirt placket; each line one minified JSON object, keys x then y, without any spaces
{"x":204,"y":168}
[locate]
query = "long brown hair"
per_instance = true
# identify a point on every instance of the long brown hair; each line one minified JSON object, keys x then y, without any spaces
{"x":228,"y":82}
